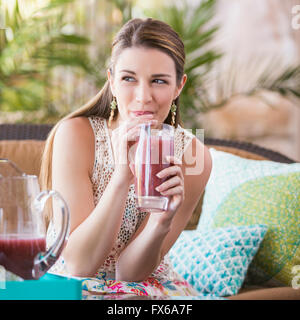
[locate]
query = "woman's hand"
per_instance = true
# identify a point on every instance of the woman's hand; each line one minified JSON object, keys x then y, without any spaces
{"x":123,"y":138}
{"x":173,"y":187}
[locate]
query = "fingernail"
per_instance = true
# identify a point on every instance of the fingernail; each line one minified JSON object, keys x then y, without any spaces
{"x":158,"y":175}
{"x":157,"y":188}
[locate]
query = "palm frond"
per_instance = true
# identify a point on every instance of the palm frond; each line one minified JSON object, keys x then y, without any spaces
{"x":200,"y":17}
{"x":37,"y":47}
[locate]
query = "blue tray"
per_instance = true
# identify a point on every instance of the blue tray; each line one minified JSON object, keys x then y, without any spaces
{"x":48,"y":287}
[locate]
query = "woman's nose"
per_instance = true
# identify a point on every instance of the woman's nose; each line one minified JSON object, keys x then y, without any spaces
{"x":143,"y":94}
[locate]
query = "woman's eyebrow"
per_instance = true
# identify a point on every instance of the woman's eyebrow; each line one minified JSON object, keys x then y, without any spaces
{"x":161,"y":75}
{"x":153,"y":75}
{"x":128,"y":71}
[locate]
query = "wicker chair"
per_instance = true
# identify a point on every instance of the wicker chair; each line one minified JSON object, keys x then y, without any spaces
{"x":246,"y":149}
{"x":24,"y":131}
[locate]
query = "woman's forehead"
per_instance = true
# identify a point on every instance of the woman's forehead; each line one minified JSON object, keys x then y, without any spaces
{"x":139,"y":59}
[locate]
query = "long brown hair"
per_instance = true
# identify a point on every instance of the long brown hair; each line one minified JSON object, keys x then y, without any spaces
{"x":147,"y":33}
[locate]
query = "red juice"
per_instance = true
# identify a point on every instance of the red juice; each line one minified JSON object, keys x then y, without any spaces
{"x":17,"y":253}
{"x":151,"y":160}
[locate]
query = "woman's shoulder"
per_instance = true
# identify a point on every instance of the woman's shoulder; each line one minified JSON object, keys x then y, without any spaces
{"x":74,"y":128}
{"x":75,"y":134}
{"x":74,"y":140}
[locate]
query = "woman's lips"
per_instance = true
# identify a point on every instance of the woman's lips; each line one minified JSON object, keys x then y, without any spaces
{"x":141,"y":113}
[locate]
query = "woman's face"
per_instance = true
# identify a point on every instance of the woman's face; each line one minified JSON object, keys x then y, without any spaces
{"x":144,"y":81}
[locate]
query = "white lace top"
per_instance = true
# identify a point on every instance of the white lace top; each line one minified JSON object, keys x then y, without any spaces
{"x":132,"y":217}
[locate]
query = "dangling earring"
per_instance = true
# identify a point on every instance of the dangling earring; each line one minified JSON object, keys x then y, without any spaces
{"x":173,"y":111}
{"x":113,"y":107}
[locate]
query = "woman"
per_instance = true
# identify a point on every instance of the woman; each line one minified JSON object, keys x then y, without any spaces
{"x":117,"y":248}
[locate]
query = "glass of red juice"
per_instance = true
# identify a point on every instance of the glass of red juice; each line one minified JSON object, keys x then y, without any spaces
{"x":23,"y":249}
{"x":152,"y":148}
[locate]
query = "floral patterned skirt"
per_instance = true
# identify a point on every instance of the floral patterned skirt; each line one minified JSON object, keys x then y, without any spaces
{"x":163,"y":284}
{"x":104,"y":287}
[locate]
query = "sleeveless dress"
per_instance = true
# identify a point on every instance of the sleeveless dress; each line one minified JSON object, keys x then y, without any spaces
{"x":164,"y":281}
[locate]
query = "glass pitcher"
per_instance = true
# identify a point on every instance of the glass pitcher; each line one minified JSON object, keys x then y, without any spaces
{"x":22,"y":224}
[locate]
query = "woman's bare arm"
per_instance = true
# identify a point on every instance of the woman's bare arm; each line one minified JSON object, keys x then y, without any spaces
{"x":93,"y":228}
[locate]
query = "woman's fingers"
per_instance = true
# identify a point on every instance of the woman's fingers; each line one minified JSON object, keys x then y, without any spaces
{"x":172,"y":182}
{"x":170,"y":171}
{"x":133,"y":133}
{"x":129,"y":131}
{"x":179,"y":190}
{"x":174,"y":186}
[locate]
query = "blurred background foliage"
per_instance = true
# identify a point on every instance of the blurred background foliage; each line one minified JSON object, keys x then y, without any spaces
{"x":54,"y":55}
{"x":31,"y":48}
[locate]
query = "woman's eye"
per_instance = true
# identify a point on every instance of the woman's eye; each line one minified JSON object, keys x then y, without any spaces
{"x":128,"y":79}
{"x":159,"y":81}
{"x":131,"y":79}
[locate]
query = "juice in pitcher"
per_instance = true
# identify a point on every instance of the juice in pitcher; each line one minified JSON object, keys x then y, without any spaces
{"x":17,"y":253}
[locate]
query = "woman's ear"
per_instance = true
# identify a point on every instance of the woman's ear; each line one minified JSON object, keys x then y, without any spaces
{"x":181,"y":85}
{"x":111,"y":82}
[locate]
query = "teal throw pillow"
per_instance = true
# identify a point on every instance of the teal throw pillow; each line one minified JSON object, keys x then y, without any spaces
{"x":216,"y":261}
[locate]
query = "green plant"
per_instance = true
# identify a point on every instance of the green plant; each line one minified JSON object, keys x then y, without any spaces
{"x":287,"y":83}
{"x":30,"y":49}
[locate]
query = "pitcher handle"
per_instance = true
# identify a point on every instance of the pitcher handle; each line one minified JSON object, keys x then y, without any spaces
{"x":45,"y":260}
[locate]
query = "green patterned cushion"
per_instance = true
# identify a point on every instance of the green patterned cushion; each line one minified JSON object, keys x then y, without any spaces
{"x":261,"y":192}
